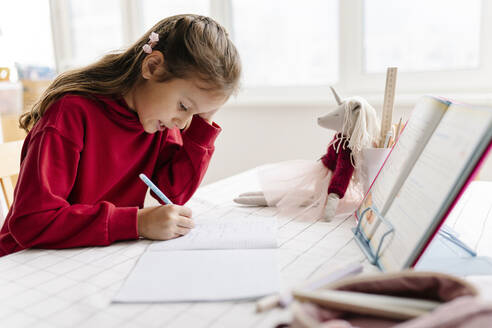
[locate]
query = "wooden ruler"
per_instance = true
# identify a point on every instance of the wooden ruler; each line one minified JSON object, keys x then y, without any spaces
{"x":389,"y":99}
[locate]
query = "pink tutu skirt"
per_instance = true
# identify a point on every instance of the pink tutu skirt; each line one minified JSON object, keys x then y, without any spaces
{"x":300,"y":187}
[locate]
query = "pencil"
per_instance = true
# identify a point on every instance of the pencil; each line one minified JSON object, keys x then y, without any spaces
{"x":397,"y":132}
{"x":154,"y":188}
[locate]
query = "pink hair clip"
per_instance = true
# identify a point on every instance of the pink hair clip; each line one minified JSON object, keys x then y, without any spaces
{"x":153,"y":39}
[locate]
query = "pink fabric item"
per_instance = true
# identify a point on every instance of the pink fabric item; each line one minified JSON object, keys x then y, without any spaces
{"x":461,"y":308}
{"x":463,"y":312}
{"x":424,"y":285}
{"x":301,"y":187}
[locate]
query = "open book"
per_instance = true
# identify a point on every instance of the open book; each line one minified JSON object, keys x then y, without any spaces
{"x":229,"y":255}
{"x":427,"y":170}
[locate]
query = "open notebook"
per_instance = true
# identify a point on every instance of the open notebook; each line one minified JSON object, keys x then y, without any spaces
{"x":440,"y":148}
{"x":229,"y":255}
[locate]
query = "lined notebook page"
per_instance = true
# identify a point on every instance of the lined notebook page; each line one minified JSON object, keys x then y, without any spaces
{"x":434,"y":180}
{"x":425,"y":117}
{"x":231,"y":231}
{"x":229,"y":255}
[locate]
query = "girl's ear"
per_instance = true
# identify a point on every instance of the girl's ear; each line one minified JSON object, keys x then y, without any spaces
{"x":152,"y":65}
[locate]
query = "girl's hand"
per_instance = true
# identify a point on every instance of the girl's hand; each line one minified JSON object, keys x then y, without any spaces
{"x":208,"y":116}
{"x":164,"y":222}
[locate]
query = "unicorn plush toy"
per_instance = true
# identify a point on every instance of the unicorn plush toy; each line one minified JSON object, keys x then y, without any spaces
{"x":318,"y":186}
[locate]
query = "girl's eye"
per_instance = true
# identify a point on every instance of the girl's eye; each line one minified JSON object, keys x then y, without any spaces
{"x":183,"y":107}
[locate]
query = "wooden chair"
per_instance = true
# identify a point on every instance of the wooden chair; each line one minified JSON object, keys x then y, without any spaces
{"x":10,"y":153}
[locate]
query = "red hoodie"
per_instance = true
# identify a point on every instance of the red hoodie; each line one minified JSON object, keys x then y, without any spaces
{"x":78,"y":183}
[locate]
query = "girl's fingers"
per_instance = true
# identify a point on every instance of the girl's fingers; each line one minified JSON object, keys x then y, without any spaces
{"x":185,"y":222}
{"x":184,"y":211}
{"x":182,"y":231}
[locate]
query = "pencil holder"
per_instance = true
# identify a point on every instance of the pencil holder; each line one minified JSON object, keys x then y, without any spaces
{"x":372,"y":161}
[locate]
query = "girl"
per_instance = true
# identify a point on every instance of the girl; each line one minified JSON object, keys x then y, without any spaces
{"x":95,"y":129}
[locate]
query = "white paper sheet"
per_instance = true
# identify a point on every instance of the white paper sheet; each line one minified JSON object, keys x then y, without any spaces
{"x":211,"y":275}
{"x":229,"y":255}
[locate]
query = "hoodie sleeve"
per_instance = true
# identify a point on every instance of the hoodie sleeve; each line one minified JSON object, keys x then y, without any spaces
{"x":185,"y":160}
{"x":41,"y":215}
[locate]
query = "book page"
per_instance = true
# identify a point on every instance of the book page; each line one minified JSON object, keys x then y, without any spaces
{"x":224,"y":228}
{"x":426,"y":115}
{"x":436,"y":178}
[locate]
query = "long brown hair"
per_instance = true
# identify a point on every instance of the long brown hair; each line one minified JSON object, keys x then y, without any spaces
{"x":192,"y":45}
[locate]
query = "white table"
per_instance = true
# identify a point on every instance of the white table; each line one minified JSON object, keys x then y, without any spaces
{"x":74,"y":287}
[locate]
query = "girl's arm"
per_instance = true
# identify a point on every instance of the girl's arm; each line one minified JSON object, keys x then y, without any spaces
{"x":41,"y":215}
{"x":183,"y":166}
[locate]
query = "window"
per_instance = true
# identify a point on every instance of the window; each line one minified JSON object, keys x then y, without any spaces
{"x":292,"y":51}
{"x":287,"y":42}
{"x":421,"y":35}
{"x":96,"y":29}
{"x":28,"y":46}
{"x":440,"y":47}
{"x":155,"y":10}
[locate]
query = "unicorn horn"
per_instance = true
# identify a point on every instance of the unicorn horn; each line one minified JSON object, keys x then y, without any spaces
{"x":337,"y":97}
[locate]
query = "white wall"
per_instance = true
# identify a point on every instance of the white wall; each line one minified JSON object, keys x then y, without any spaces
{"x":255,"y":135}
{"x":258,"y":135}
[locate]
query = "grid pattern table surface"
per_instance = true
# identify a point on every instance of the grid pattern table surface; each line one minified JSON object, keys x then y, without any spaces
{"x":74,"y":287}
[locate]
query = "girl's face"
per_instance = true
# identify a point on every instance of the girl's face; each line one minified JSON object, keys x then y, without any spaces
{"x":172,"y":104}
{"x":169,"y":104}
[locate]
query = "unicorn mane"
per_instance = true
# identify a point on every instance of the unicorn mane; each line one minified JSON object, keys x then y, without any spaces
{"x":360,"y":128}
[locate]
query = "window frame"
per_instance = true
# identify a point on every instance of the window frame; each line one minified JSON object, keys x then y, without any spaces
{"x":414,"y":82}
{"x":352,"y":78}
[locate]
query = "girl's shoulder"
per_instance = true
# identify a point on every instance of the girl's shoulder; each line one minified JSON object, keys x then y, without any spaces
{"x":72,"y":104}
{"x":75,"y":106}
{"x":67,"y":116}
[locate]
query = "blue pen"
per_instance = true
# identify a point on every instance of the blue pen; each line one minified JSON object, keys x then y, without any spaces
{"x":154,"y":188}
